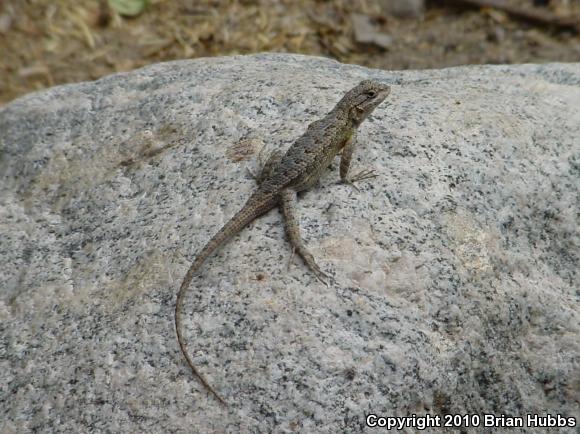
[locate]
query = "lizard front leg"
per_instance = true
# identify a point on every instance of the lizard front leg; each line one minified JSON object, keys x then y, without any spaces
{"x":345,"y":160}
{"x":288,"y":202}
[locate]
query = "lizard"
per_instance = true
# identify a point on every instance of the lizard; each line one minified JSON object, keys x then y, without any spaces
{"x":283,"y":176}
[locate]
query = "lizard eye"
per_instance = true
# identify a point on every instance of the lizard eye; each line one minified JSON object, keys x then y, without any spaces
{"x":371,"y":93}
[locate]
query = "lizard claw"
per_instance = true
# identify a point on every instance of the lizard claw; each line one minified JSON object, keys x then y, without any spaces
{"x":312,"y":265}
{"x":350,"y":183}
{"x":364,"y":174}
{"x":361,"y":176}
{"x":291,"y":257}
{"x":320,"y":275}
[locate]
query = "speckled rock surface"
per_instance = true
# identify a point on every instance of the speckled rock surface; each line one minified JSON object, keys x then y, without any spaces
{"x":455,"y":270}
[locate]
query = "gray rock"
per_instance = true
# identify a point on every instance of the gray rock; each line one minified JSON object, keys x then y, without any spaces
{"x":456,"y":286}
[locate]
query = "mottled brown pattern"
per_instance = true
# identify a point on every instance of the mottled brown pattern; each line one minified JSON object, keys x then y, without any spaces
{"x":283,"y":177}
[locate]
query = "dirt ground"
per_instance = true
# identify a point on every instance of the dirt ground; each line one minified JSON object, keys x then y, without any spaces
{"x":49,"y":42}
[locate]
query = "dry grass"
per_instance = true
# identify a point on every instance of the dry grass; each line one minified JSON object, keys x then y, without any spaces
{"x":48,"y":42}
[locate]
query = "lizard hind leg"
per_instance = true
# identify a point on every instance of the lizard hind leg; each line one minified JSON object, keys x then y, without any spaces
{"x":288,"y":200}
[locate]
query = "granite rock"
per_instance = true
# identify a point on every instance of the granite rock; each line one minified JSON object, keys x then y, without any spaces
{"x":455,"y":271}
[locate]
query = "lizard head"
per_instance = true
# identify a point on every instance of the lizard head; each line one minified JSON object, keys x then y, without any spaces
{"x":364,"y":98}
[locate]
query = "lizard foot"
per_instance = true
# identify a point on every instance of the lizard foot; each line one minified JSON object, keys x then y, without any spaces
{"x":364,"y":174}
{"x":312,"y":265}
{"x":320,"y":275}
{"x":361,"y":176}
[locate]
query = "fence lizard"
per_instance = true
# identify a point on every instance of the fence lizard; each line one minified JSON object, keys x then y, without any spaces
{"x":283,"y":176}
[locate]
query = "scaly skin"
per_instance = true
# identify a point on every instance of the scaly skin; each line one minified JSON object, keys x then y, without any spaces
{"x":284,"y":176}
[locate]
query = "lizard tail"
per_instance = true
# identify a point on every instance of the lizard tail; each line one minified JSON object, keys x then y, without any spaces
{"x":257,"y":205}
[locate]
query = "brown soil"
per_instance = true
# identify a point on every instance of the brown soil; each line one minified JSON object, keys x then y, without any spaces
{"x":48,"y":42}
